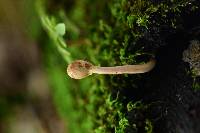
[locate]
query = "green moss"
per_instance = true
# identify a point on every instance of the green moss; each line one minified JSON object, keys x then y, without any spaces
{"x":196,"y":86}
{"x":148,"y":126}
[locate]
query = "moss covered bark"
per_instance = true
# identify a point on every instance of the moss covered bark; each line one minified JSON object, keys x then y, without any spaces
{"x":129,"y":32}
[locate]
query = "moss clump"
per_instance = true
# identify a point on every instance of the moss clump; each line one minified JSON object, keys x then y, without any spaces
{"x":133,"y":33}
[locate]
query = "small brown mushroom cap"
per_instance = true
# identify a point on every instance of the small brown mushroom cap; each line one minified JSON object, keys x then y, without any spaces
{"x":79,"y":69}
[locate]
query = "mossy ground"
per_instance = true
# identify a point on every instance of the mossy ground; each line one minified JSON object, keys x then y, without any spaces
{"x":118,"y":33}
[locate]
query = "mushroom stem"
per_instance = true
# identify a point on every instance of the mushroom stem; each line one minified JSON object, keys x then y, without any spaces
{"x":126,"y":69}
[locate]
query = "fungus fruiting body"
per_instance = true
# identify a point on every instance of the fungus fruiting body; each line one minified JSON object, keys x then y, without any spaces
{"x":80,"y":69}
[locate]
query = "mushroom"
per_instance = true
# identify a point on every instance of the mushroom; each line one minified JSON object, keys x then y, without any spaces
{"x":80,"y":69}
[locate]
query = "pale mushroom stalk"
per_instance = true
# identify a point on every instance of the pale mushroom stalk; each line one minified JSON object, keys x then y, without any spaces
{"x":80,"y":69}
{"x":126,"y":69}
